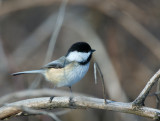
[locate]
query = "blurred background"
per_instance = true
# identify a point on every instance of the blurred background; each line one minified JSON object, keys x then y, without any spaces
{"x":125,"y":34}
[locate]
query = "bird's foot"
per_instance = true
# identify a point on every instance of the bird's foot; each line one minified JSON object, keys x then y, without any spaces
{"x":51,"y":98}
{"x":71,"y":102}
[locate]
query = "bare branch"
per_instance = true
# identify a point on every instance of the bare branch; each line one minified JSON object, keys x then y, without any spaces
{"x":37,"y":112}
{"x":81,"y":102}
{"x":78,"y":102}
{"x":142,"y":96}
{"x":35,"y":93}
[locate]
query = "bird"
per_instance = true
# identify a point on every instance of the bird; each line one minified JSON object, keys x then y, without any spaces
{"x":68,"y":69}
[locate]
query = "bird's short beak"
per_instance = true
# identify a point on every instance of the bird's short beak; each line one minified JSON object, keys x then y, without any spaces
{"x":93,"y":50}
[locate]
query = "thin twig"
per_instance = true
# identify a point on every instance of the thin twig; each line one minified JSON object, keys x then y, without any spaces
{"x":102,"y":80}
{"x":142,"y":96}
{"x":95,"y":73}
{"x":157,"y":96}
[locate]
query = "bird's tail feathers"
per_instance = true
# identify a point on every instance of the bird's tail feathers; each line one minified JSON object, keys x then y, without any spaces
{"x":28,"y":72}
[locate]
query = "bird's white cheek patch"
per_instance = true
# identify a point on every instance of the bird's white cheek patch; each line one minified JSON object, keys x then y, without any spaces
{"x":78,"y":56}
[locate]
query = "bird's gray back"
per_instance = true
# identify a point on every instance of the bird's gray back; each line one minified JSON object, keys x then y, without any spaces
{"x":59,"y":63}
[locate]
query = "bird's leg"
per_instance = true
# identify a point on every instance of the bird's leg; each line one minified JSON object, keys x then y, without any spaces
{"x":71,"y":97}
{"x":51,"y":98}
{"x":70,"y":89}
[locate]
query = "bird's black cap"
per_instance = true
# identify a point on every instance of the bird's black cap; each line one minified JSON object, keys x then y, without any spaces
{"x":80,"y":47}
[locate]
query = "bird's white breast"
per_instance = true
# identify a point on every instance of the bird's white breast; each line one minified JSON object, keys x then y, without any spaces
{"x":67,"y":76}
{"x":77,"y":74}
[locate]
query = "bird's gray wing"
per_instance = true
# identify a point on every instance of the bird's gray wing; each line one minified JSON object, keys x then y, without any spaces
{"x":59,"y":63}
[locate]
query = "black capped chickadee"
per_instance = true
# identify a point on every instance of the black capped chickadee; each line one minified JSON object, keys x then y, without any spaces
{"x":68,"y":69}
